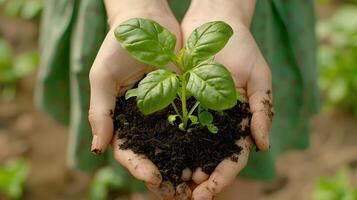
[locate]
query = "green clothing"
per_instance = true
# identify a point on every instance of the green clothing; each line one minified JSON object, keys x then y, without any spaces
{"x":72,"y":32}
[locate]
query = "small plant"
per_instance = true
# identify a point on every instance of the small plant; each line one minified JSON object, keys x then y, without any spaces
{"x":338,"y":188}
{"x":26,"y":9}
{"x":199,"y":76}
{"x":338,"y":60}
{"x":13,"y":68}
{"x":12,"y":178}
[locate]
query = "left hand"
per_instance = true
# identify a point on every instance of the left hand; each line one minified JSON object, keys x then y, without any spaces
{"x":253,"y":80}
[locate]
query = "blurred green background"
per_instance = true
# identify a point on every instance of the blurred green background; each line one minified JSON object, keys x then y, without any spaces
{"x":33,"y":147}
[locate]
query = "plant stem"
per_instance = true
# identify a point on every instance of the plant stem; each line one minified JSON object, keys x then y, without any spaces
{"x":176,"y":110}
{"x":183,"y":101}
{"x":174,"y":60}
{"x":193,"y":108}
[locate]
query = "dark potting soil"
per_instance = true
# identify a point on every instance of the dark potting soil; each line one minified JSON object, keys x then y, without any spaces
{"x":173,"y":150}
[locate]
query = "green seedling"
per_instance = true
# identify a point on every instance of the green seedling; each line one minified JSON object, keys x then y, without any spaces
{"x":199,"y":76}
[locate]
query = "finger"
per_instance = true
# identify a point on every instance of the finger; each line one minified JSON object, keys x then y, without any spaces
{"x":183,"y":192}
{"x":102,"y":102}
{"x":112,"y":72}
{"x":138,"y":165}
{"x":186,"y":174}
{"x":165,"y":191}
{"x":259,"y":91}
{"x":199,"y":176}
{"x":224,"y":174}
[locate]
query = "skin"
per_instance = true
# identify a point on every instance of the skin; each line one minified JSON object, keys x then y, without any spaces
{"x":252,"y":78}
{"x":114,"y":71}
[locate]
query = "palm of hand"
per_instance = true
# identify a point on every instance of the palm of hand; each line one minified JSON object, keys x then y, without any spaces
{"x":252,"y":78}
{"x":114,"y":71}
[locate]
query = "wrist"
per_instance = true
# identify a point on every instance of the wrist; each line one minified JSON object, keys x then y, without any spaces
{"x":234,"y":11}
{"x":121,"y":10}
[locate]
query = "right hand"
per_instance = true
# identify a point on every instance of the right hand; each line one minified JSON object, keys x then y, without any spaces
{"x":113,"y":72}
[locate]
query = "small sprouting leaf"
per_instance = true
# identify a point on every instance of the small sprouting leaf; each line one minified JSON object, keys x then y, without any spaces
{"x":205,"y":118}
{"x":206,"y":41}
{"x":131,"y":93}
{"x":182,"y":127}
{"x":194,"y":119}
{"x":172,"y":119}
{"x":212,"y":85}
{"x":181,"y":56}
{"x":212,"y":128}
{"x":220,"y":113}
{"x":147,"y":41}
{"x":156,"y":91}
{"x":239,"y":97}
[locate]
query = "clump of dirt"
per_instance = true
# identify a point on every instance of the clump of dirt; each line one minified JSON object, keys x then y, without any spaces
{"x":173,"y":150}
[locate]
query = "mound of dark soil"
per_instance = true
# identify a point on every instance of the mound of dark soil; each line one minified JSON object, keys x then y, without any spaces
{"x":173,"y":150}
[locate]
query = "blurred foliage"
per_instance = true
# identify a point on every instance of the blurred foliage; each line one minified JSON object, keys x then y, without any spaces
{"x":13,"y":68}
{"x":105,"y":180}
{"x":27,"y":9}
{"x":12,"y":178}
{"x":338,"y":58}
{"x":336,"y":1}
{"x":338,"y":188}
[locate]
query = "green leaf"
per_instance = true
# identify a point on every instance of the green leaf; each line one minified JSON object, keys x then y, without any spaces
{"x":5,"y":55}
{"x":147,"y":41}
{"x":172,"y":119}
{"x":12,"y":178}
{"x":338,"y":188}
{"x":182,"y":127}
{"x":105,"y":180}
{"x":25,"y":64}
{"x":205,"y":118}
{"x":212,"y":128}
{"x":194,"y":119}
{"x":13,"y":7}
{"x":212,"y":85}
{"x":31,"y":9}
{"x":156,"y":91}
{"x":131,"y":93}
{"x":206,"y":41}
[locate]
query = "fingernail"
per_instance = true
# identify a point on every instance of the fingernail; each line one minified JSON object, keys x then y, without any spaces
{"x":95,"y":146}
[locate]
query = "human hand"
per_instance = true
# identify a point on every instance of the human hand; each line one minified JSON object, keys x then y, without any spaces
{"x":113,"y":72}
{"x":252,"y":78}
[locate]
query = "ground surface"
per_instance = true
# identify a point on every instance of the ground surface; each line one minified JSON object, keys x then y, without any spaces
{"x":26,"y":132}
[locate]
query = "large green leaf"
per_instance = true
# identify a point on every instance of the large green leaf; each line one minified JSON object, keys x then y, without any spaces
{"x":206,"y":41}
{"x":213,"y":86}
{"x":156,"y":91}
{"x":147,"y":41}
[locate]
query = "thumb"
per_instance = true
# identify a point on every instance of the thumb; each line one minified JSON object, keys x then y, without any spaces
{"x":102,"y":102}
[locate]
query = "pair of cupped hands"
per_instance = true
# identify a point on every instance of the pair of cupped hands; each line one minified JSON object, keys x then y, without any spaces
{"x":114,"y":71}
